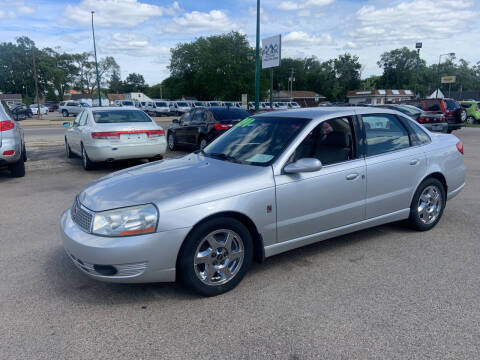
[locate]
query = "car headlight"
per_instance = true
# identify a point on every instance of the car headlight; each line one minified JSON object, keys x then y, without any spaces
{"x":135,"y":220}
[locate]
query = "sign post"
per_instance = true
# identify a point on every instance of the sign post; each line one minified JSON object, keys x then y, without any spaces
{"x":271,"y":57}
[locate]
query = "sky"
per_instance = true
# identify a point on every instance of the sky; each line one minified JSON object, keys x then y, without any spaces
{"x":140,"y":33}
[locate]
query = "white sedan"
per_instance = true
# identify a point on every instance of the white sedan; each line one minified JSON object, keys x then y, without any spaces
{"x":43,"y":109}
{"x":112,"y":133}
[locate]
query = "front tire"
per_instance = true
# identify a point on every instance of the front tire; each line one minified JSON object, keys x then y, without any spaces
{"x":68,"y":150}
{"x":65,"y":113}
{"x":427,"y":205}
{"x":202,"y":143}
{"x":216,"y":256}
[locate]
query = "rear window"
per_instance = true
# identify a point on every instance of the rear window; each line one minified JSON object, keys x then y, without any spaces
{"x":120,"y":116}
{"x":452,"y":105}
{"x":432,"y":105}
{"x":229,"y":114}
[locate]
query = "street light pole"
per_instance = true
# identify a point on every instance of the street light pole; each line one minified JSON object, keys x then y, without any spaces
{"x":96,"y":64}
{"x":257,"y":60}
{"x":438,"y":71}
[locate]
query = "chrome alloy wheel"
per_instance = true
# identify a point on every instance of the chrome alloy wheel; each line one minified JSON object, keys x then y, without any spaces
{"x":171,"y":141}
{"x":219,"y":257}
{"x":430,"y":204}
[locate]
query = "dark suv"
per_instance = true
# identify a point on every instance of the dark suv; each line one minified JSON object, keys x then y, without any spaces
{"x":453,"y":112}
{"x":200,"y":126}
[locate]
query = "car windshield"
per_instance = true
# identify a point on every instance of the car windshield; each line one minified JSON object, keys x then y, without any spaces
{"x":198,"y":104}
{"x":127,"y":103}
{"x":161,"y":104}
{"x":184,"y":104}
{"x":229,"y":114}
{"x":214,"y":104}
{"x":256,"y":141}
{"x":294,"y":104}
{"x":120,"y":116}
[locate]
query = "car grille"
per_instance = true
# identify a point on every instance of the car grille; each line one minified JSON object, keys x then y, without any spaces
{"x":81,"y":217}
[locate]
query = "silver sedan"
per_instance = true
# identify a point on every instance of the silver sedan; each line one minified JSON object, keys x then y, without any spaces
{"x":272,"y":183}
{"x":113,"y":133}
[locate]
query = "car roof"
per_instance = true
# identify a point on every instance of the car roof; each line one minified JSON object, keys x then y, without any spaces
{"x":319,"y":112}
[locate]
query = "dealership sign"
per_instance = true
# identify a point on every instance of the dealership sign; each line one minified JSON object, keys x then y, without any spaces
{"x":271,"y":51}
{"x":449,"y":79}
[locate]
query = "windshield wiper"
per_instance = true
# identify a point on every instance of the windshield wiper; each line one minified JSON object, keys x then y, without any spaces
{"x":223,"y":156}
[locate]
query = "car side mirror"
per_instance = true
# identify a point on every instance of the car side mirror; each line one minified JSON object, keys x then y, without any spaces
{"x":303,"y":165}
{"x":175,"y":121}
{"x":66,"y":124}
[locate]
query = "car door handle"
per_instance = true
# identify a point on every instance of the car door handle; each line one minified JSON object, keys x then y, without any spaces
{"x":414,"y":162}
{"x":351,"y":176}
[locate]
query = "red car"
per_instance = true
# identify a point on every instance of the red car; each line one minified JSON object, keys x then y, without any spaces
{"x":453,"y":112}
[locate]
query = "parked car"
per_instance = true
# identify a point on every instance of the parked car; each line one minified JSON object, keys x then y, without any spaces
{"x":21,"y":112}
{"x":472,"y":109}
{"x":179,"y":107}
{"x":35,"y":109}
{"x":51,"y":106}
{"x":13,"y":154}
{"x":67,"y":108}
{"x":112,"y":133}
{"x":453,"y":112}
{"x":432,"y":121}
{"x":272,"y":183}
{"x":160,"y":108}
{"x":293,"y":105}
{"x":280,"y":105}
{"x":199,"y":104}
{"x":229,"y":104}
{"x":215,"y":103}
{"x":199,"y":127}
{"x":125,"y":103}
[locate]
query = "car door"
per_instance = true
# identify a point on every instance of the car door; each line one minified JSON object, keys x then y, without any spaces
{"x":73,"y":135}
{"x":311,"y":203}
{"x":181,"y":133}
{"x":198,"y":121}
{"x":394,"y":165}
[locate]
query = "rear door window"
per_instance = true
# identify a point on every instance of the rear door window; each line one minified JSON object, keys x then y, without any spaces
{"x":384,"y":133}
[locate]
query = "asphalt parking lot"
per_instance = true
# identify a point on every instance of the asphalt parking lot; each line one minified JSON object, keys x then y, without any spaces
{"x":382,"y":293}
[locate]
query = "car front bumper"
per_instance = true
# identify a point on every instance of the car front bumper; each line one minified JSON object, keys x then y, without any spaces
{"x":98,"y":152}
{"x":136,"y":259}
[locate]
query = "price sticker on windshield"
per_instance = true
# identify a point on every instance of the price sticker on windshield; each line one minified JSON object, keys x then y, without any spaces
{"x":245,"y":122}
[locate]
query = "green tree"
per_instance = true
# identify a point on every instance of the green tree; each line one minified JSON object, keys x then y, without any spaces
{"x":134,"y":83}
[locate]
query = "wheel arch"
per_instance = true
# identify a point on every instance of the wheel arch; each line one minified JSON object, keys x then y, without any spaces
{"x":436,"y":175}
{"x":258,"y":246}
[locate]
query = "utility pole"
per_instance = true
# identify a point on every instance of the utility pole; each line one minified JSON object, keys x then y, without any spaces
{"x":438,"y":71}
{"x":291,"y":79}
{"x":96,"y":64}
{"x":36,"y":81}
{"x":257,"y":60}
{"x":418,"y":47}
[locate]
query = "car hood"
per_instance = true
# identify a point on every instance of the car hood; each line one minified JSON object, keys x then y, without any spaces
{"x":172,"y":184}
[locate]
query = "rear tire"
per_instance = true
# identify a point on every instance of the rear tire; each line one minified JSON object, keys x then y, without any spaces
{"x":470,"y":120}
{"x":87,"y":164}
{"x":18,"y":169}
{"x":172,"y":144}
{"x":211,"y":264}
{"x":427,"y":205}
{"x":202,"y":143}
